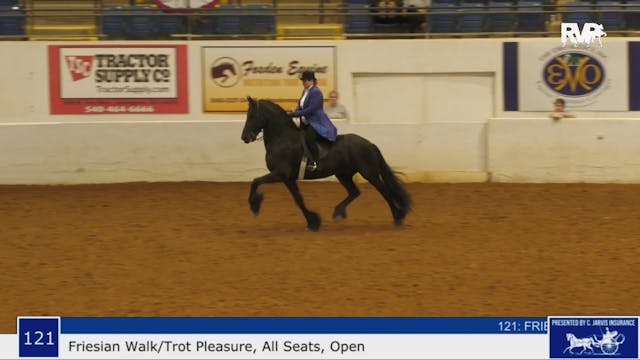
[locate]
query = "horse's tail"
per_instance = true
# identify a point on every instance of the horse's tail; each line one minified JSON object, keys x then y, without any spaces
{"x":399,"y":194}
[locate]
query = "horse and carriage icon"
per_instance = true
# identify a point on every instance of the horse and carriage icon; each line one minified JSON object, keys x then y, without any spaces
{"x":608,"y":344}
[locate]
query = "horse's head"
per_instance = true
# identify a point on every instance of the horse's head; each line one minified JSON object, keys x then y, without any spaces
{"x":255,"y":122}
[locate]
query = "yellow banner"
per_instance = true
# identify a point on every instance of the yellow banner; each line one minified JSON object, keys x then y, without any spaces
{"x":231,"y":73}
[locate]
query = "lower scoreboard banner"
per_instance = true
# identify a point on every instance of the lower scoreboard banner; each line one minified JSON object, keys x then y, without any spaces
{"x":323,"y":338}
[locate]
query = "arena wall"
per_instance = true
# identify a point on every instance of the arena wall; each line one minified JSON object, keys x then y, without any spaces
{"x":434,"y":107}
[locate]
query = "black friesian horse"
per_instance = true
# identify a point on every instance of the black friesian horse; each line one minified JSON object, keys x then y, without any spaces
{"x":349,"y":154}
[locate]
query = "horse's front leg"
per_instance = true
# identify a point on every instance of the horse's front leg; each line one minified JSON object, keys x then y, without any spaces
{"x":255,"y":198}
{"x":313,"y":219}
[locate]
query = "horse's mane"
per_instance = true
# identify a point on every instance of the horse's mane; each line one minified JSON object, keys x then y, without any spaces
{"x":272,"y":106}
{"x":274,"y":109}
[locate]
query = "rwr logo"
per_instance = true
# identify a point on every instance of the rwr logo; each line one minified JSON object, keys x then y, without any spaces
{"x":590,"y":32}
{"x":79,"y":66}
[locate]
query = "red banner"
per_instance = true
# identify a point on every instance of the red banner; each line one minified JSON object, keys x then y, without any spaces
{"x":118,"y":79}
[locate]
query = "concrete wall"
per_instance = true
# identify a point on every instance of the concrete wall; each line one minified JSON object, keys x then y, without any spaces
{"x":426,"y":103}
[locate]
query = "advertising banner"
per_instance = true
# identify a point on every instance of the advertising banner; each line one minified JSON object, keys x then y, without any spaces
{"x":230,"y":74}
{"x":589,"y":79}
{"x":116,"y":79}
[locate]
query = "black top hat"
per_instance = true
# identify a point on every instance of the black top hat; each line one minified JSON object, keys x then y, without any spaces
{"x":308,"y":75}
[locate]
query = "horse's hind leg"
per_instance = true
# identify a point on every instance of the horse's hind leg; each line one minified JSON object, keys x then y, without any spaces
{"x":376,"y":181}
{"x":313,"y":219}
{"x":353,"y":192}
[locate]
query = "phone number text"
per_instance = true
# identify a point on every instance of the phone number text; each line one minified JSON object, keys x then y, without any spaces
{"x":119,"y":109}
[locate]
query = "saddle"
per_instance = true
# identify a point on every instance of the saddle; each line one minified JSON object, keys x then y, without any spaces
{"x":324,"y":146}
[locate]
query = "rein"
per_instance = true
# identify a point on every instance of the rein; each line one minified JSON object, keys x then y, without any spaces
{"x":260,"y":135}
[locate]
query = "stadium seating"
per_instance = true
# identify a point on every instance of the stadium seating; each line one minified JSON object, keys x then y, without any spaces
{"x":611,"y":20}
{"x":227,"y":20}
{"x":443,"y":18}
{"x":4,"y":4}
{"x":113,"y":22}
{"x":497,"y":22}
{"x":247,"y":19}
{"x":359,"y":20}
{"x":259,"y":20}
{"x":12,"y":21}
{"x":632,"y":20}
{"x":471,"y":18}
{"x":528,"y":20}
{"x":142,"y":23}
{"x":443,"y":3}
{"x":167,"y":25}
{"x":575,"y":14}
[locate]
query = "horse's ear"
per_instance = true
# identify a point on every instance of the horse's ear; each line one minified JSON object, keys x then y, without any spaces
{"x":250,"y":100}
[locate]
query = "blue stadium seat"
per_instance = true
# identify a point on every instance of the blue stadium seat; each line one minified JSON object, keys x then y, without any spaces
{"x":260,"y":19}
{"x":12,"y":20}
{"x":443,"y":23}
{"x":170,"y":24}
{"x":358,"y":20}
{"x":357,"y":2}
{"x":472,"y":22}
{"x":632,"y":19}
{"x":531,"y":21}
{"x":443,"y":3}
{"x":228,"y":20}
{"x":141,"y":23}
{"x":113,"y":22}
{"x":574,"y":14}
{"x":497,"y":22}
{"x":8,"y":3}
{"x":611,"y":20}
{"x":203,"y":24}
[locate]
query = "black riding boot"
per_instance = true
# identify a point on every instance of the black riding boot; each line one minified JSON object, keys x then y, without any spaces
{"x":310,"y":137}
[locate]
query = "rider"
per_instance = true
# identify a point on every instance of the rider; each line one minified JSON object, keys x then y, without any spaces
{"x":311,"y":112}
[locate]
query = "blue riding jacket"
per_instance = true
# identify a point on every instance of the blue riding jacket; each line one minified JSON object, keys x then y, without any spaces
{"x":314,"y":114}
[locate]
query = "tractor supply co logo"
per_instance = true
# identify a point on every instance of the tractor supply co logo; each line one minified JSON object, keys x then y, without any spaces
{"x":118,"y":79}
{"x":593,"y":337}
{"x":79,"y":66}
{"x":590,"y":33}
{"x":119,"y":73}
{"x":225,"y":72}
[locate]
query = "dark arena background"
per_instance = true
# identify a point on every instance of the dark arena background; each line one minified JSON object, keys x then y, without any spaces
{"x":124,"y":181}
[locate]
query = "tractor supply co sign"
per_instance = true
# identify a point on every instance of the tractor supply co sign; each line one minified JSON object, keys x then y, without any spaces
{"x":230,"y":73}
{"x":118,"y":79}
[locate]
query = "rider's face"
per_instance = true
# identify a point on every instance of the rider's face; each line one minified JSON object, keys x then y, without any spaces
{"x":307,"y":83}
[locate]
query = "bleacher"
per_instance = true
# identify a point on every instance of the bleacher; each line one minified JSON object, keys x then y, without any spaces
{"x":298,"y":19}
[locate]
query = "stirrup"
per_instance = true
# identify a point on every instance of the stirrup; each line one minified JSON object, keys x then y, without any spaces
{"x":312,"y":166}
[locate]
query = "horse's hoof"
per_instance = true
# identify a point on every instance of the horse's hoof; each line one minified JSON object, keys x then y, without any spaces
{"x":313,"y":221}
{"x":339,"y":215}
{"x":255,"y":203}
{"x":398,"y":222}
